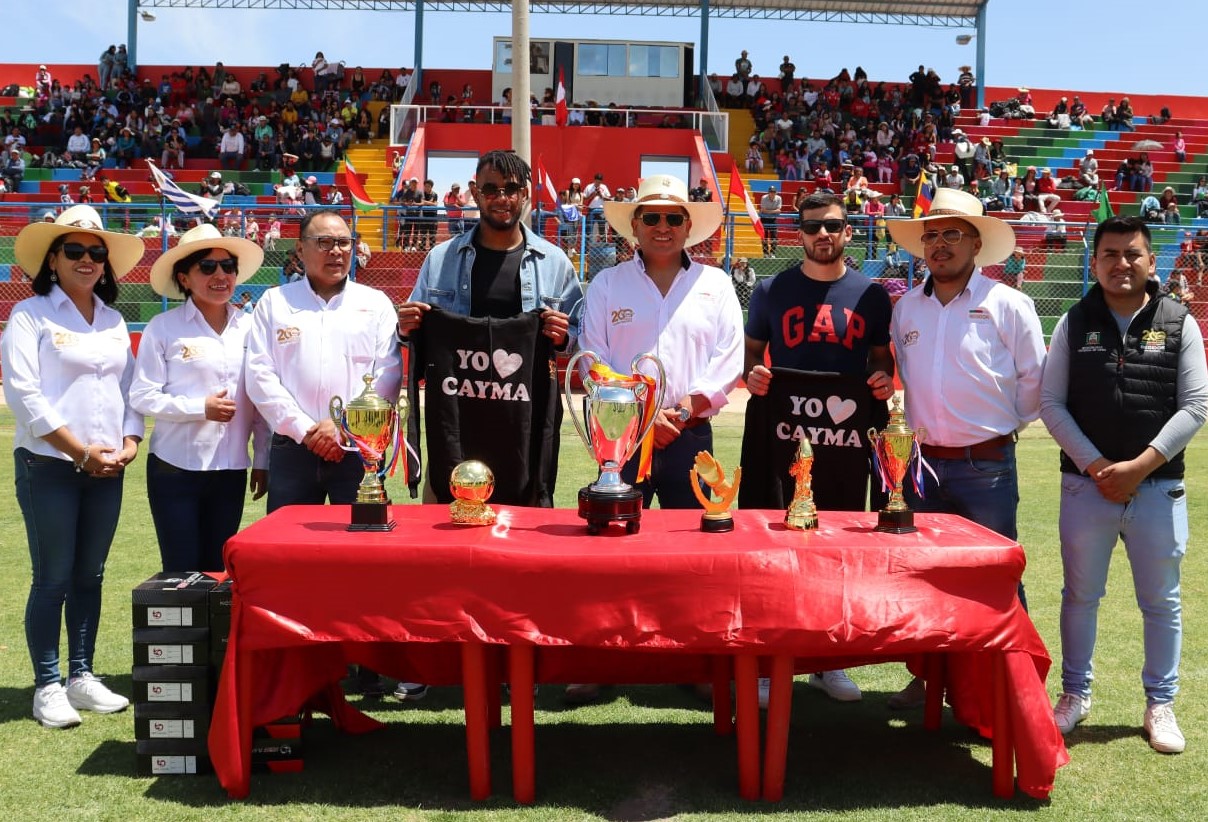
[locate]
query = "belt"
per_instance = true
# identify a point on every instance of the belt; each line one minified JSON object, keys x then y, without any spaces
{"x":992,"y":449}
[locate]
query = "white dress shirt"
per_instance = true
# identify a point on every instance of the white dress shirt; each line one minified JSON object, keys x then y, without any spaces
{"x":302,"y":351}
{"x":696,"y":330}
{"x":60,"y":371}
{"x":181,"y":361}
{"x":971,"y":368}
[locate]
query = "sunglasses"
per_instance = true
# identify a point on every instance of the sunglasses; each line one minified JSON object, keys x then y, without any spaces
{"x":208,"y":266}
{"x":76,"y":251}
{"x":832,"y":226}
{"x":491,"y":191}
{"x":951,"y":236}
{"x":328,"y":243}
{"x":673,"y":218}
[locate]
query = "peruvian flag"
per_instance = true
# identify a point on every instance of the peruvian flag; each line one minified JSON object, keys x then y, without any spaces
{"x":736,"y":187}
{"x":547,"y":192}
{"x":560,"y":111}
{"x":356,"y":188}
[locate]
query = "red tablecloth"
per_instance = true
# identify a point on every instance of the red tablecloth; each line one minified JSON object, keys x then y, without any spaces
{"x":309,"y":597}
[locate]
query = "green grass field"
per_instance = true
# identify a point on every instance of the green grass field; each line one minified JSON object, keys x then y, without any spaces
{"x":642,"y":753}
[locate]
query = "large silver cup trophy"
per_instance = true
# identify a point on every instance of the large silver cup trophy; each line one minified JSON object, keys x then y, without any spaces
{"x":619,"y":411}
{"x":373,"y":426}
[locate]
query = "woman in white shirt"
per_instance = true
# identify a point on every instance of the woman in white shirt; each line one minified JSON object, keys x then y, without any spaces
{"x":189,"y":379}
{"x":67,"y":365}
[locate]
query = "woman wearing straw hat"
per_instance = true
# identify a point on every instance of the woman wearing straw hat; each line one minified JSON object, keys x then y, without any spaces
{"x":189,"y":378}
{"x":67,"y":365}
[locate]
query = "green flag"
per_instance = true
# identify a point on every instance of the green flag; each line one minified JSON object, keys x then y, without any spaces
{"x":1104,"y":209}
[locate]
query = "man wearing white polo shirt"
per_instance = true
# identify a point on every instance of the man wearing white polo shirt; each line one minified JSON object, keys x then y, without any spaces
{"x":970,"y":352}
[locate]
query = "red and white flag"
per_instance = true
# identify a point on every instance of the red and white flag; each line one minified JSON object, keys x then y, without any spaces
{"x":560,"y":111}
{"x":736,"y":187}
{"x":546,"y":191}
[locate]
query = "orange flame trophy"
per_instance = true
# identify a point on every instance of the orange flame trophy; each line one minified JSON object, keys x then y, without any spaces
{"x":893,"y":450}
{"x":802,"y":514}
{"x":717,"y":518}
{"x":619,"y":412}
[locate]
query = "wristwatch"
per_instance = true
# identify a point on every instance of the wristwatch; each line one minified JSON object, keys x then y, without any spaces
{"x":684,"y":414}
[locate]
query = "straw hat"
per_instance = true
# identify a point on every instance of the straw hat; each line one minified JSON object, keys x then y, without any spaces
{"x":200,"y":238}
{"x":125,"y":250}
{"x":997,"y":238}
{"x":664,"y":189}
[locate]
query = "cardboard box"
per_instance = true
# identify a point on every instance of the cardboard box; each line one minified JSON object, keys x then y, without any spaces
{"x":173,"y":600}
{"x":168,"y":720}
{"x":182,"y":685}
{"x":165,"y":757}
{"x":171,"y":646}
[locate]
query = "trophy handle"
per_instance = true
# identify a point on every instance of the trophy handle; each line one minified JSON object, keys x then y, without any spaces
{"x":570,"y":406}
{"x":661,"y":390}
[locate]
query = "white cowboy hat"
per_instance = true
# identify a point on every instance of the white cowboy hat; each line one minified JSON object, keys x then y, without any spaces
{"x":997,"y":238}
{"x":125,"y":250}
{"x":200,"y":238}
{"x":664,"y":189}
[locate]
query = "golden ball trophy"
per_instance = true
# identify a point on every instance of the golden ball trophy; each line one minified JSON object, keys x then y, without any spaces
{"x":620,"y":409}
{"x":471,"y":484}
{"x":373,"y":426}
{"x":893,"y":450}
{"x":802,"y":514}
{"x":717,"y":518}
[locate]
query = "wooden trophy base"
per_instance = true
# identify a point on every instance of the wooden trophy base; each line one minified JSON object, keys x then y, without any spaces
{"x":371,"y":516}
{"x":601,"y":509}
{"x":895,"y":522}
{"x":716,"y":524}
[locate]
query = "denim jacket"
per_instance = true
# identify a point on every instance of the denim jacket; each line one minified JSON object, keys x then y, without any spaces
{"x":547,"y":278}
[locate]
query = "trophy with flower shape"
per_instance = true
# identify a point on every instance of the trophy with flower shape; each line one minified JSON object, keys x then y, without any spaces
{"x":374,"y":427}
{"x":893,"y":451}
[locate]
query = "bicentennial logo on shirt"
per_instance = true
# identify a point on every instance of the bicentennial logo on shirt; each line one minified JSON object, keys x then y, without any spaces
{"x":622,"y":316}
{"x":288,"y":335}
{"x":65,"y":339}
{"x":484,"y":376}
{"x":1153,"y":341}
{"x":816,"y":426}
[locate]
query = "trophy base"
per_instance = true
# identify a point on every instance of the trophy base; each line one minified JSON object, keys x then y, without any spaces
{"x":370,"y":516}
{"x":895,"y":522}
{"x":601,"y":509}
{"x":716,"y":525}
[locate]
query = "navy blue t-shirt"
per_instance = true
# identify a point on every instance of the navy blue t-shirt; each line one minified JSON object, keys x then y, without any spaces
{"x":812,"y":325}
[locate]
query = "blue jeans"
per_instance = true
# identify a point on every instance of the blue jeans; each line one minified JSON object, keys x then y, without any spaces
{"x":298,"y":477}
{"x":70,"y":520}
{"x":669,"y":469}
{"x":1153,"y":526}
{"x":195,"y":513}
{"x":984,"y":491}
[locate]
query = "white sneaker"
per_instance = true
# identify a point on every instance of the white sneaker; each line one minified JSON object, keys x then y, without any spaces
{"x":765,"y":690}
{"x":52,"y":709}
{"x":837,"y":685}
{"x":1163,"y":729}
{"x":86,"y":693}
{"x":1070,"y":710}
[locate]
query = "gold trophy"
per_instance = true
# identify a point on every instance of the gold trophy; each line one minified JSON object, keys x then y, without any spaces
{"x":717,"y":518}
{"x":802,"y":514}
{"x":471,"y":484}
{"x":372,"y":425}
{"x":894,"y":448}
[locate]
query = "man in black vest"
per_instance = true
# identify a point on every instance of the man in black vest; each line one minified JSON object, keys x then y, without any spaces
{"x":1125,"y":388}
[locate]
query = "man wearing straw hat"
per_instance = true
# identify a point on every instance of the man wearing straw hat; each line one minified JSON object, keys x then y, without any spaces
{"x":970,"y":351}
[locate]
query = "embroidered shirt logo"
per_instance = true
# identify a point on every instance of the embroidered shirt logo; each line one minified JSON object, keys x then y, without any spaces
{"x":191,"y":352}
{"x":1153,"y":341}
{"x":979,"y":315}
{"x":65,"y":339}
{"x":621,"y":316}
{"x":288,"y":335}
{"x":1094,"y":342}
{"x":910,"y":338}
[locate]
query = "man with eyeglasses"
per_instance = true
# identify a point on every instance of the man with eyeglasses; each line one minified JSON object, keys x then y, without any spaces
{"x":971,"y":351}
{"x":819,"y":316}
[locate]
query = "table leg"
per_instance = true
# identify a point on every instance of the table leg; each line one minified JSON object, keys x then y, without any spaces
{"x":746,"y":686}
{"x":933,"y":707}
{"x":520,"y":676}
{"x":1002,"y":745}
{"x":494,"y":687}
{"x":723,"y":716}
{"x":478,"y":747}
{"x":780,"y":703}
{"x":245,"y":695}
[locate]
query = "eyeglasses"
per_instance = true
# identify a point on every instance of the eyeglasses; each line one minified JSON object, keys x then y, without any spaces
{"x":490,"y":191}
{"x":951,"y":236}
{"x":673,"y":218}
{"x":328,"y":243}
{"x":832,"y":226}
{"x":208,"y":266}
{"x":76,"y":251}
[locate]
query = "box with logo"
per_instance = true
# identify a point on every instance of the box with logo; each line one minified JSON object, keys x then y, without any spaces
{"x":278,"y":747}
{"x":171,"y":757}
{"x":173,"y":600}
{"x":169,"y":720}
{"x":186,"y":686}
{"x":171,"y":646}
